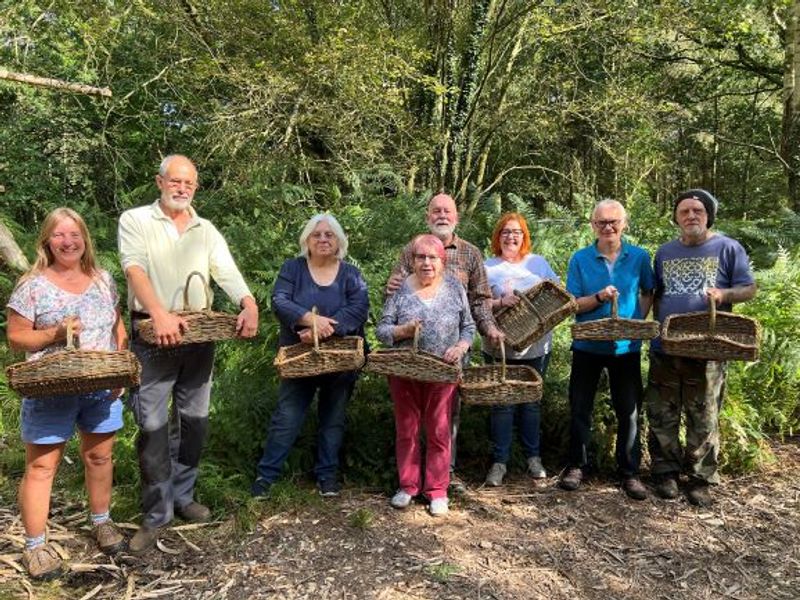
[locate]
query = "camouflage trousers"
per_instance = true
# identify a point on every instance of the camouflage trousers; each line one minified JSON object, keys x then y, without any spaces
{"x":694,"y":387}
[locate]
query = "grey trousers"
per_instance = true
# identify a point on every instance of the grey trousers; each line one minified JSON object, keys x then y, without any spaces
{"x":169,"y":443}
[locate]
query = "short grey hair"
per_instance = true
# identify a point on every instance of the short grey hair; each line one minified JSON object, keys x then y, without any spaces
{"x":609,"y":202}
{"x":311,"y":225}
{"x":162,"y":168}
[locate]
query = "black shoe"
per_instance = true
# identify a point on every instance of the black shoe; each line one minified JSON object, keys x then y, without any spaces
{"x":571,"y":479}
{"x":329,"y":488}
{"x":699,"y":494}
{"x":260,"y":488}
{"x":457,"y":487}
{"x":667,"y":486}
{"x":634,"y":488}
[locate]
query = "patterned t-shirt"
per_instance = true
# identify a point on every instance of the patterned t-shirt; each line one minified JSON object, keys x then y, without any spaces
{"x":684,"y":273}
{"x":45,"y":304}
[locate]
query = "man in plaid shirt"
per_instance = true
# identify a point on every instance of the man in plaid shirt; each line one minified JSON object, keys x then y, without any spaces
{"x":465,"y":263}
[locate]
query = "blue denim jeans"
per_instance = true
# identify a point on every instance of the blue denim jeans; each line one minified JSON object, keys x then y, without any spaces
{"x":625,"y":381}
{"x":526,"y":415}
{"x":294,"y":398}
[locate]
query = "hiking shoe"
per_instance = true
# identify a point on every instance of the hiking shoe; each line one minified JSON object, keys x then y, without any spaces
{"x":495,"y":475}
{"x":260,"y":488}
{"x":699,"y":494}
{"x":401,"y":499}
{"x":438,"y":507}
{"x":571,"y":479}
{"x":457,"y":485}
{"x":634,"y":488}
{"x":42,"y":562}
{"x":194,"y":512}
{"x":329,"y":488}
{"x":144,"y":539}
{"x":535,"y":468}
{"x":109,"y":538}
{"x":667,"y":486}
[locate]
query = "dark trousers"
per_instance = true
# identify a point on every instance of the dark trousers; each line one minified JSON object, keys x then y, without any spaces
{"x":625,"y":380}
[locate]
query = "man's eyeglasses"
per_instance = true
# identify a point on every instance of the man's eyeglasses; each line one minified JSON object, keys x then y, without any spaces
{"x":176,"y":183}
{"x":607,"y":223}
{"x":510,"y":232}
{"x":424,"y":257}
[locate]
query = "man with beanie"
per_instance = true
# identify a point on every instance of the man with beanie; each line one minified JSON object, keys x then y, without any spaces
{"x":698,"y":267}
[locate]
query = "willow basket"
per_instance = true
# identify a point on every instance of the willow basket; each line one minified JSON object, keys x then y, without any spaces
{"x":615,"y":328}
{"x":328,"y":356}
{"x":711,"y":335}
{"x":501,"y":384}
{"x":540,"y":308}
{"x":73,"y":371}
{"x":412,"y":363}
{"x":203,"y":325}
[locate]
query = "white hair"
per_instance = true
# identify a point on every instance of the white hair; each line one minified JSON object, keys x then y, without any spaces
{"x":311,"y":225}
{"x":608,"y":202}
{"x":162,"y":168}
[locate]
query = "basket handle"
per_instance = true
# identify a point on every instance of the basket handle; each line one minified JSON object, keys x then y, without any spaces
{"x":70,"y":334}
{"x":503,"y":361}
{"x":528,"y":304}
{"x":314,"y":333}
{"x":614,"y":306}
{"x":712,"y":315}
{"x":417,"y":329}
{"x":205,"y":287}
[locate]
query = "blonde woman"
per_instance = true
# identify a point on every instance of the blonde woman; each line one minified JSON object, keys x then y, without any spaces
{"x":65,"y":286}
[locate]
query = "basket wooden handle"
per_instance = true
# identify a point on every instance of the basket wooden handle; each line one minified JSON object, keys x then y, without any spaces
{"x":503,"y":361}
{"x":70,"y":334}
{"x":314,"y":333}
{"x":529,"y":305}
{"x":614,"y":306}
{"x":206,"y":288}
{"x":712,"y":315}
{"x":417,"y":329}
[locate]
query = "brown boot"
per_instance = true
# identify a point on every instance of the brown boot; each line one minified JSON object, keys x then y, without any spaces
{"x":194,"y":512}
{"x":699,"y":494}
{"x":42,"y":562}
{"x":144,"y":539}
{"x":109,"y":538}
{"x":634,"y":488}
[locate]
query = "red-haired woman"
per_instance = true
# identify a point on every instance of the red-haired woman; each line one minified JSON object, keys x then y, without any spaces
{"x":513,"y":267}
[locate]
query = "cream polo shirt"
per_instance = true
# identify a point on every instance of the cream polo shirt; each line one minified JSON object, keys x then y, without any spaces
{"x":150,"y":240}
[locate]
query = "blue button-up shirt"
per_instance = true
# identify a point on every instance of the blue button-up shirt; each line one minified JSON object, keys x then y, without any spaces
{"x":589,"y":272}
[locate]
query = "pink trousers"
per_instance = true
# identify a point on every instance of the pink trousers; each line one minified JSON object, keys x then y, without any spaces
{"x":418,"y":404}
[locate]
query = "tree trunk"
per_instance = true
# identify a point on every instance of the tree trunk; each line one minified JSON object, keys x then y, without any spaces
{"x":10,"y":252}
{"x":790,"y":137}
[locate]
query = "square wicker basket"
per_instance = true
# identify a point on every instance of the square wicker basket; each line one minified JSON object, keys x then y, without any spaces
{"x":614,"y":328}
{"x":500,"y":384}
{"x":412,"y":363}
{"x":540,"y":308}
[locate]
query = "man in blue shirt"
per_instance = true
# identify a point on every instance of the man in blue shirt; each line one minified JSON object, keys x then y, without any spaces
{"x":698,"y":267}
{"x":609,"y":267}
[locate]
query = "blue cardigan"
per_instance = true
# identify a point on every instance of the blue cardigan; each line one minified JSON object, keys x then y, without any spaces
{"x":344,"y":300}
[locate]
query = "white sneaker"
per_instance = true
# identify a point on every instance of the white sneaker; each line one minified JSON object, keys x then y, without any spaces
{"x":495,"y":475}
{"x":535,"y":468}
{"x":401,"y":499}
{"x":438,"y":507}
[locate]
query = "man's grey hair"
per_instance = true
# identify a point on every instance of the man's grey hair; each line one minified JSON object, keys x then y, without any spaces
{"x":608,"y":202}
{"x":162,"y":169}
{"x":337,"y":230}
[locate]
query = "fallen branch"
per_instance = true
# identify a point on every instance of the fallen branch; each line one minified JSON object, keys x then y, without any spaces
{"x":57,"y":84}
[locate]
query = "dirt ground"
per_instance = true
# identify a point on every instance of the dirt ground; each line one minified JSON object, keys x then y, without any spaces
{"x":517,"y":541}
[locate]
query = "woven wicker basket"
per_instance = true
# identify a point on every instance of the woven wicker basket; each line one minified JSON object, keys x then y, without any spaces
{"x":615,"y":328}
{"x":328,"y":356}
{"x":501,"y":384}
{"x":74,"y":371}
{"x":540,"y":308}
{"x":203,"y":325}
{"x":711,"y":335}
{"x":412,"y":363}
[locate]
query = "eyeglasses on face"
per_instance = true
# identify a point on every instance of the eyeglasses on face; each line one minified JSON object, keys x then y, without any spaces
{"x":423,"y":257}
{"x":174,"y":183}
{"x":602,"y":224}
{"x":511,"y":232}
{"x":318,"y":235}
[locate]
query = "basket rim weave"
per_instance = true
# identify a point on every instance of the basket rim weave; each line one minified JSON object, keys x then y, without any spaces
{"x":614,"y":328}
{"x":504,"y":391}
{"x":401,"y":362}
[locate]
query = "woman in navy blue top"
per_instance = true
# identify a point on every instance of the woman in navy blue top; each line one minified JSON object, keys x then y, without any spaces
{"x":318,"y":277}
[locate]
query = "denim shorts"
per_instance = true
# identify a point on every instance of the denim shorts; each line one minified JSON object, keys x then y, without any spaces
{"x":52,"y":420}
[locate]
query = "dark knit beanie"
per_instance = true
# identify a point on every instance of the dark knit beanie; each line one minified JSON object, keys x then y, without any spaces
{"x":709,"y":202}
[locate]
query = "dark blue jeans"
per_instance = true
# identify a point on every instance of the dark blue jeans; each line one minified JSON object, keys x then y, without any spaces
{"x":527,"y":416}
{"x":625,"y":381}
{"x":294,"y":398}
